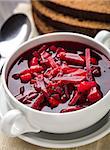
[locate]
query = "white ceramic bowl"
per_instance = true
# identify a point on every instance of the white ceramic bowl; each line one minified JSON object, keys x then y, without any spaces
{"x":22,"y":119}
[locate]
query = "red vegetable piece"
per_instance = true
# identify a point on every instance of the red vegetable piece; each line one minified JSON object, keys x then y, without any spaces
{"x":46,"y":80}
{"x":79,"y":72}
{"x":35,"y":53}
{"x":63,"y":98}
{"x":25,"y":71}
{"x":88,"y":67}
{"x":25,"y":77}
{"x":53,"y":48}
{"x":44,"y":63}
{"x":52,"y":73}
{"x":56,"y":96}
{"x":16,"y":76}
{"x":60,"y":49}
{"x":32,"y":81}
{"x":67,"y":70}
{"x":36,"y":68}
{"x":43,"y":48}
{"x":22,"y":90}
{"x":86,"y":86}
{"x":83,"y":99}
{"x":34,"y":61}
{"x":40,"y":84}
{"x":87,"y":55}
{"x":54,"y":85}
{"x":32,"y":96}
{"x":50,"y":91}
{"x":62,"y":55}
{"x":37,"y":87}
{"x":71,"y":108}
{"x":94,"y":95}
{"x":54,"y":88}
{"x":92,"y":60}
{"x":96,"y":71}
{"x":26,"y":101}
{"x":22,"y":98}
{"x":59,"y":90}
{"x":74,"y":79}
{"x":73,"y":58}
{"x":44,"y":55}
{"x":38,"y":102}
{"x":66,"y":91}
{"x":43,"y":88}
{"x":75,"y":98}
{"x":53,"y":102}
{"x":52,"y":62}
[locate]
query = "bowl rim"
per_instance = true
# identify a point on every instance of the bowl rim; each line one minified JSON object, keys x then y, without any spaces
{"x":43,"y":112}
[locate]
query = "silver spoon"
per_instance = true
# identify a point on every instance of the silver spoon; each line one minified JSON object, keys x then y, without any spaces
{"x":14,"y":31}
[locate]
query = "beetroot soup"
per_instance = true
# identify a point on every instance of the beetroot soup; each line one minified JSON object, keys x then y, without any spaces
{"x":60,"y":76}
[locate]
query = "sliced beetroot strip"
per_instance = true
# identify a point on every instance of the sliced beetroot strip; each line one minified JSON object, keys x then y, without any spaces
{"x":45,"y":55}
{"x":52,"y":73}
{"x":52,"y":62}
{"x":71,"y":108}
{"x":33,"y":61}
{"x":60,"y":49}
{"x":67,"y":69}
{"x":88,"y":67}
{"x":43,"y":88}
{"x":16,"y":76}
{"x":22,"y":98}
{"x":87,"y":55}
{"x":36,"y":68}
{"x":53,"y":102}
{"x":86,"y":86}
{"x":92,"y":60}
{"x":74,"y":79}
{"x":53,"y":85}
{"x":71,"y":57}
{"x":75,"y":98}
{"x":66,"y":91}
{"x":53,"y":48}
{"x":94,"y":95}
{"x":32,"y":96}
{"x":41,"y":84}
{"x":38,"y":102}
{"x":25,"y":71}
{"x":79,"y":72}
{"x":25,"y":78}
{"x":42,"y":49}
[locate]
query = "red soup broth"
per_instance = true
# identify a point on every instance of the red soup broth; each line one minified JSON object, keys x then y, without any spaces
{"x":60,"y":76}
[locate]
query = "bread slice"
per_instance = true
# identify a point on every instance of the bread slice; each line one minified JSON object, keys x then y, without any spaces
{"x":97,"y":10}
{"x":67,"y":23}
{"x":102,"y":6}
{"x":41,"y":26}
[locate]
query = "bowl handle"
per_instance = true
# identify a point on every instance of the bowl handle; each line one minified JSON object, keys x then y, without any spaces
{"x":103,"y":37}
{"x":14,"y":124}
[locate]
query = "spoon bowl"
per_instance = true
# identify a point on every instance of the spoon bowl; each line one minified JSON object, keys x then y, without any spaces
{"x":12,"y":27}
{"x":13,"y":32}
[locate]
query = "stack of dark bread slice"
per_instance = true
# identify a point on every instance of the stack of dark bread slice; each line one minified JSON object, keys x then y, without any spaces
{"x":81,"y":16}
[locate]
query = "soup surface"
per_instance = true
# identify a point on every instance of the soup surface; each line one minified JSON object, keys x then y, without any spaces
{"x":60,"y":76}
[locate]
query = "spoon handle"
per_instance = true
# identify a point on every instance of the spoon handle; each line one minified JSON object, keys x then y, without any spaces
{"x":2,"y":61}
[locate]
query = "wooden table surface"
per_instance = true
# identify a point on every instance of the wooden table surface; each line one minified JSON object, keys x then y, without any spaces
{"x":7,"y":143}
